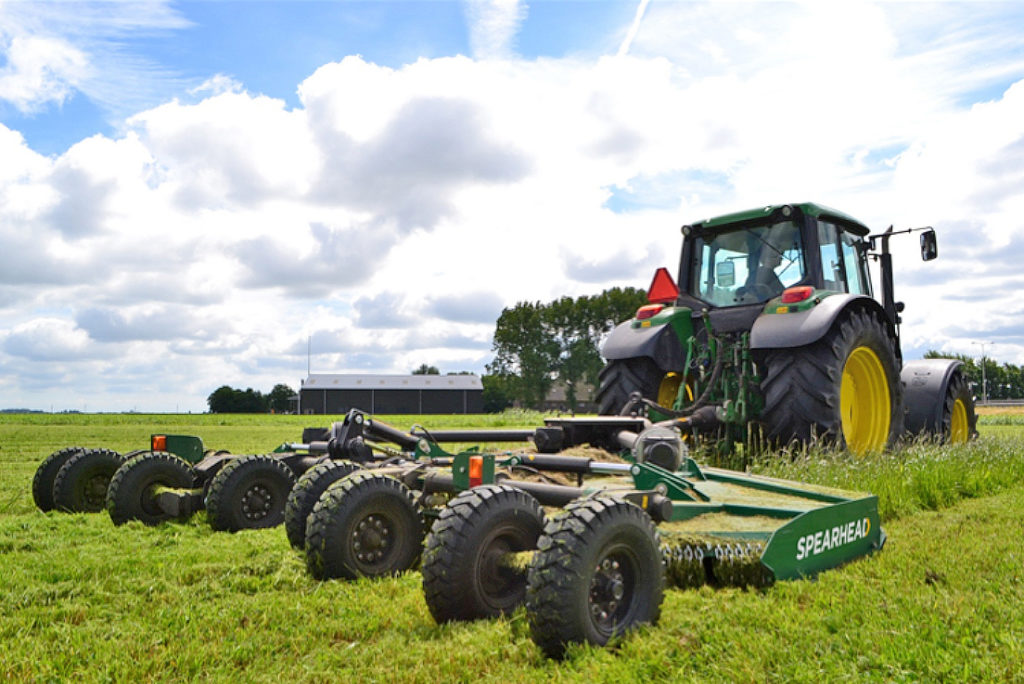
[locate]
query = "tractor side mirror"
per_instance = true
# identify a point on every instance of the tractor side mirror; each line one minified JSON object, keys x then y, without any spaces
{"x":725,"y":274}
{"x":929,"y":245}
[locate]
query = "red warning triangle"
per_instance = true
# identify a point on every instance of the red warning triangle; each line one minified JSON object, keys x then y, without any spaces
{"x":663,"y":289}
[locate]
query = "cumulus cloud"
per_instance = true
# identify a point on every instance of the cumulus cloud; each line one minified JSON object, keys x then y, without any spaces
{"x":40,"y":71}
{"x":393,"y":213}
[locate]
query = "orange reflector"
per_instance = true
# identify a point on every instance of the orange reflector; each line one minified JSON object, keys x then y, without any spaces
{"x":159,"y":443}
{"x":476,"y":471}
{"x":663,"y":289}
{"x":797,"y":294}
{"x":648,"y":311}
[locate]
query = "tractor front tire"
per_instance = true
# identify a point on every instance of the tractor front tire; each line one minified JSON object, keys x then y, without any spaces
{"x":468,"y":564}
{"x":959,"y":420}
{"x":843,"y":389}
{"x":621,"y":377}
{"x":598,"y":573}
{"x":81,"y":484}
{"x":46,"y":473}
{"x":130,"y":494}
{"x":249,"y":493}
{"x":364,"y":525}
{"x":307,"y":491}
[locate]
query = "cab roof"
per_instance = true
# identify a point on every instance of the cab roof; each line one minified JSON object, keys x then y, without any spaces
{"x":809,"y":208}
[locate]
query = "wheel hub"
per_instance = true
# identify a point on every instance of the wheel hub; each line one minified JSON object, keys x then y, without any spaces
{"x":95,"y":493}
{"x":257,"y":502}
{"x":372,"y":539}
{"x":607,"y":590}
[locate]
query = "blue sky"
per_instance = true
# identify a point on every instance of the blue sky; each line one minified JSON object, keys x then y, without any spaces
{"x":191,"y":191}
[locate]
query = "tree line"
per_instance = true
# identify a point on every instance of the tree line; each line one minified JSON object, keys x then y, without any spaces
{"x":227,"y":399}
{"x":1003,"y":381}
{"x":538,"y":344}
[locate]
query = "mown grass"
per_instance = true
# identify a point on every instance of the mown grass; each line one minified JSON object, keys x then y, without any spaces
{"x":82,"y":600}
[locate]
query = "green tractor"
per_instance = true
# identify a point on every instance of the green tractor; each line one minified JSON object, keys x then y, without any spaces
{"x":774,"y":334}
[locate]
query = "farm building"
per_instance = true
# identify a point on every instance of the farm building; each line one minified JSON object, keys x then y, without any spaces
{"x":335,"y":394}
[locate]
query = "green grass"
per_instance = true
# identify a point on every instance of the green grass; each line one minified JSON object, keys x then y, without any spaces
{"x":81,"y":600}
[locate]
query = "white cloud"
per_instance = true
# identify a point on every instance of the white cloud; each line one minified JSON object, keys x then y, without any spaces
{"x":392,"y":214}
{"x":40,"y":71}
{"x":493,"y":25}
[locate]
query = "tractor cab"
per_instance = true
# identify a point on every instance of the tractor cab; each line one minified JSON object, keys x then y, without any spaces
{"x":749,"y":258}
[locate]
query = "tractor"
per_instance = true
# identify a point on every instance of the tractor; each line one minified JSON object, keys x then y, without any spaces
{"x":773,"y":336}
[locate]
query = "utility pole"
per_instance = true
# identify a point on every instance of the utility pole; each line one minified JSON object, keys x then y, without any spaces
{"x":984,"y":382}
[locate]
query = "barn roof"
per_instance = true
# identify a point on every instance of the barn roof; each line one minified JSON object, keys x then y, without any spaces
{"x":418,"y":382}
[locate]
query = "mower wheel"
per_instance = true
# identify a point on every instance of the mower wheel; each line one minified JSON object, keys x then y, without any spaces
{"x":469,"y":570}
{"x":364,"y":525}
{"x":306,"y":492}
{"x":249,"y":493}
{"x":843,"y":389}
{"x":597,"y":574}
{"x":621,"y":377}
{"x":130,"y":494}
{"x":46,"y":473}
{"x":81,"y":484}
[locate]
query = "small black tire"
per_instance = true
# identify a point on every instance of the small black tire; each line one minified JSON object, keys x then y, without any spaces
{"x":466,"y":573}
{"x":598,"y":573}
{"x":249,"y":493}
{"x":365,"y":525}
{"x":306,"y":492}
{"x":129,"y":496}
{"x":81,"y":484}
{"x":46,"y":473}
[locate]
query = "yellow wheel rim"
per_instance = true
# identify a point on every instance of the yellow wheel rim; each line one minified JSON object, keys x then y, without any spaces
{"x":668,"y":390}
{"x":864,"y":402}
{"x":958,"y":432}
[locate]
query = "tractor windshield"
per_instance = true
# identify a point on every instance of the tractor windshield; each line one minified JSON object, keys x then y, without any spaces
{"x":747,"y":265}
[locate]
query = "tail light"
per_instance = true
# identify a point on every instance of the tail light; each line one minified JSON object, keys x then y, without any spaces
{"x":797,"y":294}
{"x":476,"y":471}
{"x":158,"y":443}
{"x":648,"y":311}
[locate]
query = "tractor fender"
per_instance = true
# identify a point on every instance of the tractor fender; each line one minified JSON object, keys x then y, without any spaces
{"x":659,"y":342}
{"x":783,"y":330}
{"x":925,"y":383}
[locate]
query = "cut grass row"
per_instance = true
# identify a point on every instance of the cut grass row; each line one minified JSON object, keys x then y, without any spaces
{"x":83,"y":600}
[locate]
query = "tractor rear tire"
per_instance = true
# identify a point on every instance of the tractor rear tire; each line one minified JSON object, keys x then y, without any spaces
{"x":306,"y":492}
{"x":46,"y":473}
{"x":249,"y":493}
{"x":598,"y":573}
{"x":130,"y":494}
{"x":81,"y":484}
{"x":621,"y":377}
{"x":364,"y":525}
{"x":467,"y":574}
{"x":844,"y":389}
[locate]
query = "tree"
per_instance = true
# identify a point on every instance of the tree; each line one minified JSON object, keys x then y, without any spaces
{"x":424,"y":369}
{"x":497,"y":394}
{"x":525,"y":353}
{"x":227,"y":399}
{"x":536,"y":344}
{"x":280,"y":397}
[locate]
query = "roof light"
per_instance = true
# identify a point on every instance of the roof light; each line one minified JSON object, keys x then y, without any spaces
{"x":663,"y":289}
{"x":158,"y":443}
{"x":797,"y":294}
{"x":648,"y":311}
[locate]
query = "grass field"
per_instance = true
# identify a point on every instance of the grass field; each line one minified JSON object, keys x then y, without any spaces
{"x":81,"y":600}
